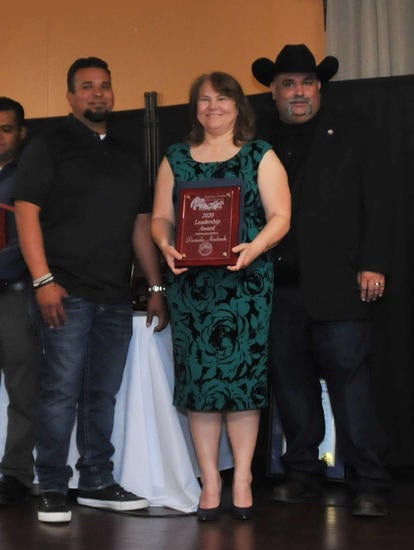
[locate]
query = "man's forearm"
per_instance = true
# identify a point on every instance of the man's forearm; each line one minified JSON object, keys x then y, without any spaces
{"x":31,"y":238}
{"x":146,"y":251}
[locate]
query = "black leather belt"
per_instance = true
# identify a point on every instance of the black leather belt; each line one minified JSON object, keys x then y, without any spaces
{"x":15,"y":285}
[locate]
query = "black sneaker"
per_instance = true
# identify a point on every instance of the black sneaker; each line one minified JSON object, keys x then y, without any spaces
{"x":113,"y":497}
{"x":12,"y":491}
{"x":53,"y":508}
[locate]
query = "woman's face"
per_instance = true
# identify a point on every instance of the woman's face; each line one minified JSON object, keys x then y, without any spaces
{"x":216,"y":112}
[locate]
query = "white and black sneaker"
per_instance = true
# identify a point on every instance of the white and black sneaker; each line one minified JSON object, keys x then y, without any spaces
{"x":113,"y":497}
{"x":54,"y":508}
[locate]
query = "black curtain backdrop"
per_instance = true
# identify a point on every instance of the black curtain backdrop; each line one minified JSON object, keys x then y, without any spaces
{"x":389,"y":103}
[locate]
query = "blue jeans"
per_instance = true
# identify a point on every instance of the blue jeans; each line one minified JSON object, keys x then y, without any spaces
{"x":81,"y":372}
{"x":301,"y":352}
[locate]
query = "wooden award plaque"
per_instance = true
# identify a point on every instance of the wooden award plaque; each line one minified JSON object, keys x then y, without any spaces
{"x":208,"y":223}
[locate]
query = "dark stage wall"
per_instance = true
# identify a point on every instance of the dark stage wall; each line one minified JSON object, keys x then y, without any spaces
{"x":389,"y":103}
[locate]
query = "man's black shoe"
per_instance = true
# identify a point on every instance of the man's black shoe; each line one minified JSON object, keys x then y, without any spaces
{"x":113,"y":497}
{"x":368,"y":504}
{"x":12,"y":491}
{"x":295,"y":490}
{"x":53,"y":508}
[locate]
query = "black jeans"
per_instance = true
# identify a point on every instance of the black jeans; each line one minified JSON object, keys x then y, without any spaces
{"x":19,"y":365}
{"x":302,"y":351}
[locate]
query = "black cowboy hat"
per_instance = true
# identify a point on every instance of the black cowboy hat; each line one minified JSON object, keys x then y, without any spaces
{"x":294,"y":58}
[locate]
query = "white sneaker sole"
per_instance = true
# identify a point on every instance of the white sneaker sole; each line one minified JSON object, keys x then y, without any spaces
{"x":113,"y":504}
{"x":54,"y":517}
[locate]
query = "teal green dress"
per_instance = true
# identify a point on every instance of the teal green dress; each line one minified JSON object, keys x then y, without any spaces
{"x":219,"y":318}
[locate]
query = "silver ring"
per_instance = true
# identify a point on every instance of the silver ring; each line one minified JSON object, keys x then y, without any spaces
{"x":377,"y":283}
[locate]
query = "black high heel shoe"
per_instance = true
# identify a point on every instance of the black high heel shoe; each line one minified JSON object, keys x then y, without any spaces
{"x":208,"y":514}
{"x":243,"y":513}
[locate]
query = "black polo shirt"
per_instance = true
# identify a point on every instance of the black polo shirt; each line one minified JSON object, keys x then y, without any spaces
{"x":89,"y":191}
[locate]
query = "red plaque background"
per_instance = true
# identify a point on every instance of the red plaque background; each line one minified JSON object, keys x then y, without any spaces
{"x":208,"y":225}
{"x":2,"y":228}
{"x":3,"y":221}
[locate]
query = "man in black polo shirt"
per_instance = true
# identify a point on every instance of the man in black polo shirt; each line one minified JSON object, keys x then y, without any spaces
{"x":80,"y":206}
{"x":18,"y":346}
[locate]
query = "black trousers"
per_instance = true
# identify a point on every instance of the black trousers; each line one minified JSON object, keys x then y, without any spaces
{"x":19,"y":367}
{"x":302,"y":351}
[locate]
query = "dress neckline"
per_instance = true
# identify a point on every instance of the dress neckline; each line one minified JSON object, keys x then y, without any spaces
{"x":214,"y":161}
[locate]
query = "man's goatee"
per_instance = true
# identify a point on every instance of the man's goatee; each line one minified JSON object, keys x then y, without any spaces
{"x":96,"y":116}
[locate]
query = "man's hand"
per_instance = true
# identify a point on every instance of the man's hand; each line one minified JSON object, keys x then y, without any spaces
{"x":49,"y":298}
{"x":371,"y":285}
{"x":157,"y":307}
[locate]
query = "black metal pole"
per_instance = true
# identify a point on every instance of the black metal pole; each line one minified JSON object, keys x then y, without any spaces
{"x":151,"y":137}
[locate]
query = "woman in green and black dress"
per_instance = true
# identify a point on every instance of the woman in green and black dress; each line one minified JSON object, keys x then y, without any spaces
{"x":220,"y":315}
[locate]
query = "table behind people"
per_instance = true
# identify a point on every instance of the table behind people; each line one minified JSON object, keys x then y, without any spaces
{"x":154,"y":454}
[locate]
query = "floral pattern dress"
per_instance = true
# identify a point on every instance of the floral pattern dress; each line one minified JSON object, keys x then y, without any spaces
{"x":220,"y":319}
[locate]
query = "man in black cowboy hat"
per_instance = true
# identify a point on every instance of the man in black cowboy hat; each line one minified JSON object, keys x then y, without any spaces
{"x":330,"y":273}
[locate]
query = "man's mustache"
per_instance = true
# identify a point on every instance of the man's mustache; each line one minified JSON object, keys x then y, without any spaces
{"x":299,"y":100}
{"x":302,"y":100}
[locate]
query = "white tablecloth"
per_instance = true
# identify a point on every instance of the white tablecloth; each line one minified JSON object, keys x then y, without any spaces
{"x":154,"y":456}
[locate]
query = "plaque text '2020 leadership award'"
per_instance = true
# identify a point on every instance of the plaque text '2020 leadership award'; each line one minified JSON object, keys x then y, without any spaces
{"x":208,"y":225}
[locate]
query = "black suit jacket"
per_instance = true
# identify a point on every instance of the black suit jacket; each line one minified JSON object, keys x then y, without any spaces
{"x":341,"y":216}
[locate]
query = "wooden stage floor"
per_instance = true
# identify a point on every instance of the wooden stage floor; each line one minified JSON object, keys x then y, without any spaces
{"x":323,"y":525}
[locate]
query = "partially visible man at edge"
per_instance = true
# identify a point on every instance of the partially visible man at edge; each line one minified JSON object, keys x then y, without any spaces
{"x":330,"y":272}
{"x":80,"y":203}
{"x":19,"y":363}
